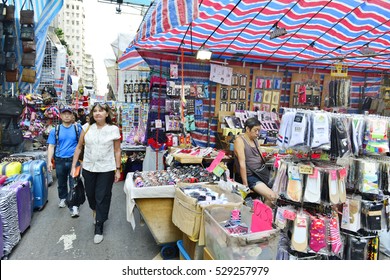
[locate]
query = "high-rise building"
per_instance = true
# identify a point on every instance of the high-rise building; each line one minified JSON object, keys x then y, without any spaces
{"x":71,"y":21}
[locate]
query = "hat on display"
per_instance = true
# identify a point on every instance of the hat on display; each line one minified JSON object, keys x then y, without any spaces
{"x":66,"y":109}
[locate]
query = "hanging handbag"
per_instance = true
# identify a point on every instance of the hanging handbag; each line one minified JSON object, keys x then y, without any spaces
{"x":12,"y":76}
{"x":28,"y":59}
{"x":11,"y":135}
{"x":2,"y":11}
{"x":10,"y":107}
{"x":9,"y":43}
{"x":10,"y":11}
{"x":10,"y":61}
{"x":27,"y":33}
{"x":29,"y":46}
{"x":27,"y":16}
{"x":28,"y":75}
{"x":2,"y":58}
{"x":8,"y":27}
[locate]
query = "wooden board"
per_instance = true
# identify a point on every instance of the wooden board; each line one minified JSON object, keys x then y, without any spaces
{"x":157,"y":213}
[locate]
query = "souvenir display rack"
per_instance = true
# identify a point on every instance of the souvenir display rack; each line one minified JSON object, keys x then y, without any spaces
{"x":233,"y":97}
{"x":305,"y":91}
{"x":266,"y":91}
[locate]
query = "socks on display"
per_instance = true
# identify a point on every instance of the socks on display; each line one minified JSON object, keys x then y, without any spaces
{"x":317,"y":234}
{"x":298,"y":130}
{"x":299,"y":239}
{"x":294,"y":185}
{"x":313,"y":187}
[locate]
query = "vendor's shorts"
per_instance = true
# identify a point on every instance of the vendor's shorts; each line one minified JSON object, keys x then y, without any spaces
{"x":253,"y":181}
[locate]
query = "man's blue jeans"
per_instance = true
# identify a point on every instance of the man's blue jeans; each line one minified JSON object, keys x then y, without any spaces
{"x":63,"y":168}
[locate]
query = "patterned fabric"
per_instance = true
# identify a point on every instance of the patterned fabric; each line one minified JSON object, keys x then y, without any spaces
{"x":314,"y":29}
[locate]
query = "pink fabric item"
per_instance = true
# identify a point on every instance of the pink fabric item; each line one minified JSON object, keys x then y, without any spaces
{"x":302,"y":94}
{"x":335,"y":235}
{"x":317,"y":234}
{"x":261,"y":217}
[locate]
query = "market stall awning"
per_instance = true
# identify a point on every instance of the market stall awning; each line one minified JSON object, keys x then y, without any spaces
{"x":304,"y":33}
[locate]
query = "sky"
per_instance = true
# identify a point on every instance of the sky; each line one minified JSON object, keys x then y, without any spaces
{"x":102,"y":26}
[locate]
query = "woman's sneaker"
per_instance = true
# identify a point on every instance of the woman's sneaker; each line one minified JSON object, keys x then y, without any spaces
{"x":74,"y":212}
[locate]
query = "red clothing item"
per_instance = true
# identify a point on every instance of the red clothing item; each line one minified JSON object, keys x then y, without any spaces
{"x":302,"y":94}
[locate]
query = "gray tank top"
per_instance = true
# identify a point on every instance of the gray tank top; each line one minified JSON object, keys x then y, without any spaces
{"x":252,"y":157}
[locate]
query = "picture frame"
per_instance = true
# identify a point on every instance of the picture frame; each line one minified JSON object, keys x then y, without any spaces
{"x":243,"y":80}
{"x":232,"y":107}
{"x":234,"y":80}
{"x":242,"y":93}
{"x":233,"y":93}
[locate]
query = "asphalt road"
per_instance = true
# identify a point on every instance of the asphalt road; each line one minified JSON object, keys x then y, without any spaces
{"x":54,"y":235}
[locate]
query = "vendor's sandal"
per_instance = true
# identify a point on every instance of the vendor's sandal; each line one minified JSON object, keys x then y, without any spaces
{"x":313,"y":187}
{"x":299,"y":240}
{"x":333,"y":187}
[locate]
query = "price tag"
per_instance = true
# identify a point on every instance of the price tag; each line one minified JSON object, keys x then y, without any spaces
{"x":158,"y":123}
{"x":305,"y":169}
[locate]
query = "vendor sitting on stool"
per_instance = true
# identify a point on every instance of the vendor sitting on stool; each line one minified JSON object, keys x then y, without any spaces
{"x":248,"y":158}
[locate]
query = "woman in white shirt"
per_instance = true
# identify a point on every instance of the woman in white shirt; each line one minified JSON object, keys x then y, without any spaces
{"x":101,"y":163}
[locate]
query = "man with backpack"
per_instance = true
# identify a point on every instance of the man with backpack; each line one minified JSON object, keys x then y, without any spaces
{"x":62,"y":142}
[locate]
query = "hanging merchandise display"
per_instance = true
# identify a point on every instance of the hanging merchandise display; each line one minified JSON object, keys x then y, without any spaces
{"x":340,"y":134}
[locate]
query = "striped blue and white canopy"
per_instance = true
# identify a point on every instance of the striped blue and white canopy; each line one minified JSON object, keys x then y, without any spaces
{"x":44,"y":13}
{"x":319,"y":32}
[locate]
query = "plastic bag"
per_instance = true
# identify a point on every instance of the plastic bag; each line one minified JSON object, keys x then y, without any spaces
{"x":76,"y":196}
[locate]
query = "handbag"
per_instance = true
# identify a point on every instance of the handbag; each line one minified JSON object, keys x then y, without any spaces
{"x":10,"y":61}
{"x":28,"y":59}
{"x":10,"y":12}
{"x":29,"y":46}
{"x":9,"y":43}
{"x":12,"y":76}
{"x":2,"y":11}
{"x":27,"y":16}
{"x":28,"y":75}
{"x":27,"y":33}
{"x":76,"y":196}
{"x":2,"y":58}
{"x":10,"y":107}
{"x":11,"y":136}
{"x":8,"y":27}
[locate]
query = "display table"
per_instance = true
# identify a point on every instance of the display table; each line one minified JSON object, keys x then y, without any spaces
{"x":132,"y":148}
{"x":155,"y":205}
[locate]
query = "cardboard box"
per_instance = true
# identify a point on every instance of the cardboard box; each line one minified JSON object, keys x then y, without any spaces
{"x":187,"y":214}
{"x":206,"y":255}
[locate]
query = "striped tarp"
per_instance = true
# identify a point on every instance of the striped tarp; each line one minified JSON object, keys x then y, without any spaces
{"x":44,"y":13}
{"x":318,"y":32}
{"x":162,"y":16}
